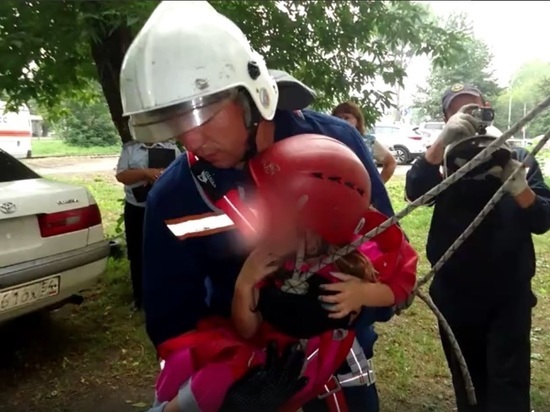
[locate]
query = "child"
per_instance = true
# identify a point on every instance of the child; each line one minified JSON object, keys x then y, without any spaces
{"x":330,"y":211}
{"x":251,"y":303}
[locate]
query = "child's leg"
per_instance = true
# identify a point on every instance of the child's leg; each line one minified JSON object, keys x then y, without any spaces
{"x":509,"y":356}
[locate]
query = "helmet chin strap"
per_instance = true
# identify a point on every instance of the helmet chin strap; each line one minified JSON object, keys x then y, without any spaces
{"x":251,"y":144}
{"x":252,"y":119}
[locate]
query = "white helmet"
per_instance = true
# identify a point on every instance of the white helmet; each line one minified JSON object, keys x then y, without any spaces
{"x":462,"y":151}
{"x":187,"y":61}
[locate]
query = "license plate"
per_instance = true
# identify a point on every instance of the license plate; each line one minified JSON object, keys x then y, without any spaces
{"x":29,"y":293}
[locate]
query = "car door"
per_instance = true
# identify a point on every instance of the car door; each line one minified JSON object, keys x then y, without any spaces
{"x":385,"y":135}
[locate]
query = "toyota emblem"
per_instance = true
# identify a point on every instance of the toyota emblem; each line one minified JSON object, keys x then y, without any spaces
{"x":7,"y":208}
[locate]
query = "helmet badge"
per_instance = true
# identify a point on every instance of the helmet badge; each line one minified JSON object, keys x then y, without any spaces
{"x":457,"y":87}
{"x":253,"y":70}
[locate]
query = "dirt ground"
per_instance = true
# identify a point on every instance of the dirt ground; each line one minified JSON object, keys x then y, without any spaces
{"x":96,"y":357}
{"x":81,"y":387}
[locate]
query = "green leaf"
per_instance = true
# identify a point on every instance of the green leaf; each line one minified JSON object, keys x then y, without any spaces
{"x":336,"y":47}
{"x":471,"y":64}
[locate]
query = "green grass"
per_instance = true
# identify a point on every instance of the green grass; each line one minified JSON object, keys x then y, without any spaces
{"x":101,"y":345}
{"x":57,"y":147}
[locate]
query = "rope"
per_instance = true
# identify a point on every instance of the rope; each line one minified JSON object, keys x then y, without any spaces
{"x":470,"y":391}
{"x":431,"y":194}
{"x":468,"y":383}
{"x":294,"y":284}
{"x":427,"y":198}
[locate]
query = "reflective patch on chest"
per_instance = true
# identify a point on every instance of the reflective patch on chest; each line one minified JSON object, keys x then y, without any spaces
{"x":205,"y":224}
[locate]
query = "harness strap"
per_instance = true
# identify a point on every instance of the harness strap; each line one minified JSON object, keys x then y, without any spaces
{"x":334,"y":396}
{"x":362,"y":373}
{"x":220,"y":196}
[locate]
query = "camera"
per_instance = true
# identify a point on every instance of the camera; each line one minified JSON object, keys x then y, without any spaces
{"x":485,"y":115}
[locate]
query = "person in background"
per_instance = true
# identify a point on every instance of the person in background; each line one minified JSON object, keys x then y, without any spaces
{"x":351,"y":113}
{"x":484,"y":289}
{"x":134,"y":172}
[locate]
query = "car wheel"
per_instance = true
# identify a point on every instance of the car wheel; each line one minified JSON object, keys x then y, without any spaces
{"x":402,"y":155}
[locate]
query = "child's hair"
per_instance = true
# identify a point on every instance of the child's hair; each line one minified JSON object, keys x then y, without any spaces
{"x":356,"y":264}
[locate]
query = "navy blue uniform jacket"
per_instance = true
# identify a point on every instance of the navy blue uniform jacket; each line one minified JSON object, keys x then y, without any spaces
{"x":498,"y":259}
{"x":185,"y":280}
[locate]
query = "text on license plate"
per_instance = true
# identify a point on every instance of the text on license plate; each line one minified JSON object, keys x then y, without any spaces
{"x":29,"y":293}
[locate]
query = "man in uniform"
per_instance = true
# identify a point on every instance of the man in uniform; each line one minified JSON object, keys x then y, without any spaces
{"x":191,"y":75}
{"x":484,"y":289}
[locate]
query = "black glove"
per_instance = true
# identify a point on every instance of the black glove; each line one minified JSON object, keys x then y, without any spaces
{"x":267,"y":387}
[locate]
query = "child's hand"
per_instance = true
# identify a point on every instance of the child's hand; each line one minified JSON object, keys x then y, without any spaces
{"x":259,"y":264}
{"x":348,"y":297}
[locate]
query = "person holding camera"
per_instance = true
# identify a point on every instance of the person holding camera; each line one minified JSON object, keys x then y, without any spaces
{"x":484,"y":289}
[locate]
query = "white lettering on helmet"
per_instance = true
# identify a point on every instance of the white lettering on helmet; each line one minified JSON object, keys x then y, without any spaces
{"x":270,"y":168}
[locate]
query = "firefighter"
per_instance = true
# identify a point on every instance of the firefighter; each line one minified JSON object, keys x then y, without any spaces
{"x":192,"y":75}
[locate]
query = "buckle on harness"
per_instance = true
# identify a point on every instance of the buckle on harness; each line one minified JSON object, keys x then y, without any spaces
{"x":361,"y":368}
{"x":331,"y":387}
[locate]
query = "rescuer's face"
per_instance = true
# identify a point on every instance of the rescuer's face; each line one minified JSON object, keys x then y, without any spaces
{"x":222,"y":141}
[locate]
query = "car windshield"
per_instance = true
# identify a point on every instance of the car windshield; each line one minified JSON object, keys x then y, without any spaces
{"x":12,"y":170}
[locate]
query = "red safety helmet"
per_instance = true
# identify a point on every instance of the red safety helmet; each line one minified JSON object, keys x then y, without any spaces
{"x":317,"y":180}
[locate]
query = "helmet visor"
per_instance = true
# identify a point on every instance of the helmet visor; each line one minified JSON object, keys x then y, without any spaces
{"x":168,"y":123}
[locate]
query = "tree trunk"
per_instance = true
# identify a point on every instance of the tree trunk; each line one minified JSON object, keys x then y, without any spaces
{"x":108,"y":49}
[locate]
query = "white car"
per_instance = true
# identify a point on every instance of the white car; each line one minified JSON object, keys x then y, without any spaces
{"x":430,"y":131}
{"x":52,"y":245}
{"x":401,"y":140}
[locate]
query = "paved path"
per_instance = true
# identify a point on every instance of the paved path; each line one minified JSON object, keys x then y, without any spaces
{"x":72,"y":165}
{"x":83,"y":165}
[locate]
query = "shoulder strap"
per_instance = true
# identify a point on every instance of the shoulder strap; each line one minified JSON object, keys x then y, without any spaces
{"x":222,"y":196}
